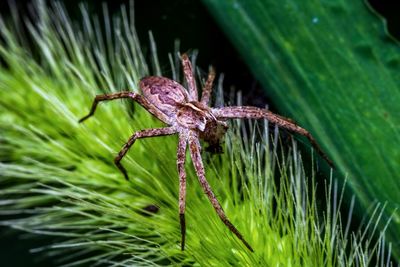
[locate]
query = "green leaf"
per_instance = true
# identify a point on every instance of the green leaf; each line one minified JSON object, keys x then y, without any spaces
{"x":330,"y":66}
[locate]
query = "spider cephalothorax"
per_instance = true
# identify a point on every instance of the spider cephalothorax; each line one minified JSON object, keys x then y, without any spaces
{"x":192,"y":119}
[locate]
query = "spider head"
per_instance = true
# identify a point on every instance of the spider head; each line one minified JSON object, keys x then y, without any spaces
{"x":193,"y":115}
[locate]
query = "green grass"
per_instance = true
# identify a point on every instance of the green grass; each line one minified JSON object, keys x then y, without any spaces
{"x":57,"y":176}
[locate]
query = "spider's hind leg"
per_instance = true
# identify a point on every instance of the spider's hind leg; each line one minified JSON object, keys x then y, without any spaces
{"x":132,"y":139}
{"x":182,"y":185}
{"x":106,"y":97}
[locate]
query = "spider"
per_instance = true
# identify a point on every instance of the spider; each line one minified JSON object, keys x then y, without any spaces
{"x":192,"y":119}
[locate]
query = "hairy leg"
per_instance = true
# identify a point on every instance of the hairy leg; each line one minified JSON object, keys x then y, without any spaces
{"x":181,"y":155}
{"x":136,"y":97}
{"x":195,"y":153}
{"x":258,"y":113}
{"x":190,"y":79}
{"x":206,"y":93}
{"x":132,"y":139}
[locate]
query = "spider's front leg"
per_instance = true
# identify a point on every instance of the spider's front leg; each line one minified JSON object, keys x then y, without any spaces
{"x":190,"y":78}
{"x":195,"y":153}
{"x":240,"y":112}
{"x":132,"y":139}
{"x":206,"y":93}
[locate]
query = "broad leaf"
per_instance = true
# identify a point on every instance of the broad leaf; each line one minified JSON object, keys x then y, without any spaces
{"x":330,"y":66}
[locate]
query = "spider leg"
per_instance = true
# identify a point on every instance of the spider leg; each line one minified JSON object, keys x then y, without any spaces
{"x":195,"y":153}
{"x":258,"y":113}
{"x":189,"y":76}
{"x":132,"y":139}
{"x":206,"y":93}
{"x":136,"y":97}
{"x":181,"y":154}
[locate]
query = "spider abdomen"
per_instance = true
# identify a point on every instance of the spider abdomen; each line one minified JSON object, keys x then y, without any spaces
{"x":165,"y":94}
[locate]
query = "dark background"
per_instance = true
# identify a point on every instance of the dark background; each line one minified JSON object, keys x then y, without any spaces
{"x":189,"y":22}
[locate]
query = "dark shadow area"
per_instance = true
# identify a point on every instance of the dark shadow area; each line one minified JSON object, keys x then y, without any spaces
{"x":390,"y":10}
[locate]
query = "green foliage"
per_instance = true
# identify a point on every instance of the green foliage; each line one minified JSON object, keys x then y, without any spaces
{"x":331,"y":67}
{"x":57,"y":176}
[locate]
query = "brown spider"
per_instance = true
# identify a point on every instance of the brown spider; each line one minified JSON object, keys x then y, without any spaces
{"x":192,"y":120}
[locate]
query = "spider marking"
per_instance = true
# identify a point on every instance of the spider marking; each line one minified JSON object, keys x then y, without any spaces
{"x":192,"y":119}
